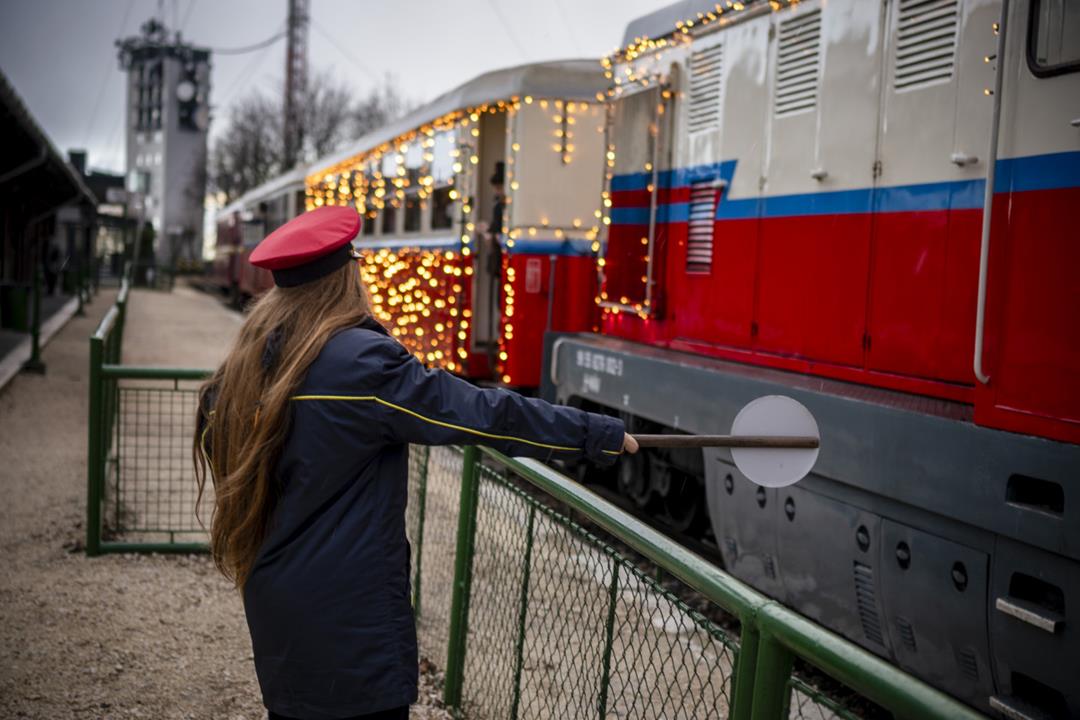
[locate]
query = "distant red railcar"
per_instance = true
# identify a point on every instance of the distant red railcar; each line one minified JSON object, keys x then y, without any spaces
{"x":242,"y":224}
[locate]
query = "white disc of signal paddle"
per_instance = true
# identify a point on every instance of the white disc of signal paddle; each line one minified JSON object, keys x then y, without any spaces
{"x":775,"y":415}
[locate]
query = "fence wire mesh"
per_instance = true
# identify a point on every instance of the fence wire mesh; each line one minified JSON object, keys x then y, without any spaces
{"x":561,"y":624}
{"x":150,"y":486}
{"x":811,"y":703}
{"x":435,"y":475}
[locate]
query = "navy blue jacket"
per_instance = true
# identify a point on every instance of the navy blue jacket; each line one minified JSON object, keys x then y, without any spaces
{"x":328,"y":599}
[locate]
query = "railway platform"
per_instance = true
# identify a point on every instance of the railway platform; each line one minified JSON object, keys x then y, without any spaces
{"x":533,"y":596}
{"x":122,"y":635}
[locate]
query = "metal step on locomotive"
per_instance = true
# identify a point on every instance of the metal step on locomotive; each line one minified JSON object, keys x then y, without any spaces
{"x":864,"y":206}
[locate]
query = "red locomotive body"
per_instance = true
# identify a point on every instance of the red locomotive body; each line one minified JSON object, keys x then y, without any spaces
{"x":798,"y":204}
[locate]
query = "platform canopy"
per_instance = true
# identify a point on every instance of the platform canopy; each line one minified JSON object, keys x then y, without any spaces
{"x":34,"y":175}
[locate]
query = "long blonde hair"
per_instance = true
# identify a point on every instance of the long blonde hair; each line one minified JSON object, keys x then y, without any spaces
{"x":244,"y":407}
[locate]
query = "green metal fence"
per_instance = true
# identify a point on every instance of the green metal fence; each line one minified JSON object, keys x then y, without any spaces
{"x":538,"y":598}
{"x":140,"y":479}
{"x":544,"y":615}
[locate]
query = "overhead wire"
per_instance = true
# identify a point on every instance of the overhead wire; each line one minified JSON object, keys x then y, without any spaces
{"x":105,"y":79}
{"x":571,"y":30}
{"x":187,"y":14}
{"x":250,"y":48}
{"x":506,"y":26}
{"x":243,"y":76}
{"x":348,"y":55}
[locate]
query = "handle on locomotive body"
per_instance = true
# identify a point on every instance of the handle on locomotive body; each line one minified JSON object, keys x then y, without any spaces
{"x":775,"y":442}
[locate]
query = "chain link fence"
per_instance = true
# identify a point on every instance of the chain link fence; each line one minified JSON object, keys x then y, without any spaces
{"x":560,"y":623}
{"x":538,"y":615}
{"x":149,"y":493}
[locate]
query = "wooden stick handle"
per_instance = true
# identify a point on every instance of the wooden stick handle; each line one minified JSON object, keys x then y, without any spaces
{"x":799,"y":442}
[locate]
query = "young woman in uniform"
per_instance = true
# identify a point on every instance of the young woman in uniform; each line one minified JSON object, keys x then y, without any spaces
{"x":304,"y":431}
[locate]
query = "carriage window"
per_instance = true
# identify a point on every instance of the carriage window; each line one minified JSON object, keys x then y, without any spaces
{"x":1054,"y":37}
{"x":388,"y":165}
{"x":389,"y":219}
{"x":442,"y":161}
{"x":441,"y":208}
{"x":413,"y":161}
{"x":412,"y":212}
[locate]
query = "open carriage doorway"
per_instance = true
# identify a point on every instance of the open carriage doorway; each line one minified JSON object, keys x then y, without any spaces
{"x":488,"y":213}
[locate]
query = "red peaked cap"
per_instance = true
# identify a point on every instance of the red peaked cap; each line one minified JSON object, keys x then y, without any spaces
{"x":309,"y":246}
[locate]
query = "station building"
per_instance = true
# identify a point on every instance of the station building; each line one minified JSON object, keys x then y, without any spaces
{"x":167,"y":117}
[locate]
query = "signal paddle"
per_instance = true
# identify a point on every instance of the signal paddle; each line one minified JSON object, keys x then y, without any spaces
{"x":774,"y":441}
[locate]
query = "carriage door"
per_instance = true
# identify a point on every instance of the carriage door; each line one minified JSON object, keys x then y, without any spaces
{"x":636,"y":142}
{"x":934,"y":132}
{"x":490,"y":147}
{"x":815,"y":211}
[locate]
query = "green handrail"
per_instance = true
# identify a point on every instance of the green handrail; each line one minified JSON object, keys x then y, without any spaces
{"x":140,"y":372}
{"x":902,"y":694}
{"x":771,"y":635}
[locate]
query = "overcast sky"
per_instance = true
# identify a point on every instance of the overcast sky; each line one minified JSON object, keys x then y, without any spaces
{"x":60,"y":54}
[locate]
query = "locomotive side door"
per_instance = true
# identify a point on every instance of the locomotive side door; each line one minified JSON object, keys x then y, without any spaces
{"x":934,"y":129}
{"x":824,"y":84}
{"x":637,"y":158}
{"x":1031,"y":349}
{"x":489,"y":146}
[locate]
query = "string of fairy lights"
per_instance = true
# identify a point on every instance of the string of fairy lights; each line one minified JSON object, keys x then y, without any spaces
{"x":636,"y":67}
{"x":422,"y":294}
{"x":418,"y":293}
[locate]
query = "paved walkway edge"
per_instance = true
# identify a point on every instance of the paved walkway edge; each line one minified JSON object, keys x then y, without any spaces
{"x":10,"y":365}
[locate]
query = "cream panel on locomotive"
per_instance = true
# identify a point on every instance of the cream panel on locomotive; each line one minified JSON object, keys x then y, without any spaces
{"x":744,"y":104}
{"x":935,"y":108}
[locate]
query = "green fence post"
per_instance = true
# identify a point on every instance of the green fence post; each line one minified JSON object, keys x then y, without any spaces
{"x":523,"y":609}
{"x":772,"y":691}
{"x":420,"y":511}
{"x":95,"y":462}
{"x":459,"y":601}
{"x":609,"y":639}
{"x":745,"y":664}
{"x":35,"y":364}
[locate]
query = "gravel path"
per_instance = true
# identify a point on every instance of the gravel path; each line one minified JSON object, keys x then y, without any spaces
{"x":113,"y":636}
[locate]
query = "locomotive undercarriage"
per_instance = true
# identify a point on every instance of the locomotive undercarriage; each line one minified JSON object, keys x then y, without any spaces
{"x":945,"y":547}
{"x":664,"y":484}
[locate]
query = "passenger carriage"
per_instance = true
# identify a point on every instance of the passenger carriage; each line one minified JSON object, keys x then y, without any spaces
{"x":242,"y":224}
{"x":459,"y":293}
{"x":797,"y":206}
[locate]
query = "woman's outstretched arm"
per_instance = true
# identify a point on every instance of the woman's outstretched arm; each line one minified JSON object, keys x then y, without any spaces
{"x":410,"y":403}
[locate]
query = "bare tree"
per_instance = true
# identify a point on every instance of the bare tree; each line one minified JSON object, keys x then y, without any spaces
{"x":249,"y":152}
{"x":325,"y":115}
{"x":380,"y":106}
{"x":251,"y":149}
